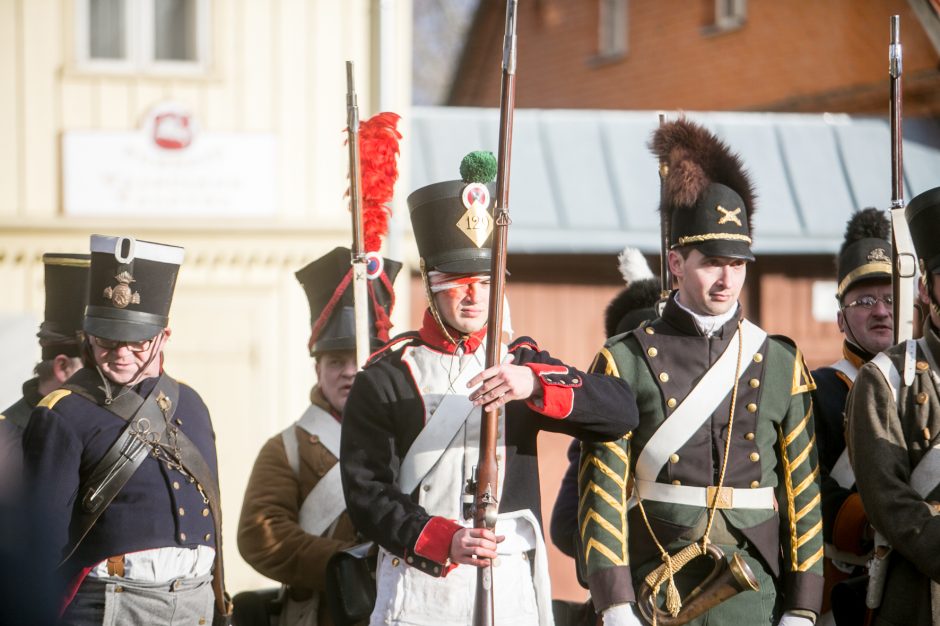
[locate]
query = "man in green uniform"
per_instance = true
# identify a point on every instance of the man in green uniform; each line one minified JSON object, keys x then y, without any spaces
{"x":893,"y":414}
{"x":724,"y":452}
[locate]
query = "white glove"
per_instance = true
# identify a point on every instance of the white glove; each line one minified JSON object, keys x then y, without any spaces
{"x":789,"y":619}
{"x":621,"y":615}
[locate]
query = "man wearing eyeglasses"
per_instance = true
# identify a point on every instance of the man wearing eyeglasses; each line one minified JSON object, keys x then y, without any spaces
{"x":893,"y":430}
{"x":121,"y":460}
{"x":867,"y":324}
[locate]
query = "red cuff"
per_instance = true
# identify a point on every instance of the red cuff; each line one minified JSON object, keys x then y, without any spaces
{"x":558,"y":384}
{"x":434,"y":541}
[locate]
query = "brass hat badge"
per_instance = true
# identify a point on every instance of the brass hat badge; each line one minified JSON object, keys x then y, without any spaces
{"x":878,"y":255}
{"x":121,"y":294}
{"x":476,"y":223}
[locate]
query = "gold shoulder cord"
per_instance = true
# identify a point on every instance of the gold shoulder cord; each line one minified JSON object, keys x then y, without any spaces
{"x":673,"y":564}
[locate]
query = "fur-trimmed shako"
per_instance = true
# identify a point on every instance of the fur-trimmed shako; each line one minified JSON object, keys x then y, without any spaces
{"x":866,"y":250}
{"x":707,"y":198}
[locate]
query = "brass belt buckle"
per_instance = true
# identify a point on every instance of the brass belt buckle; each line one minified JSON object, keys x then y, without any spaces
{"x":722,"y":498}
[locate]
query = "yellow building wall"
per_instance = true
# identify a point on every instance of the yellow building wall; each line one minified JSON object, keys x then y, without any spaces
{"x":240,"y":320}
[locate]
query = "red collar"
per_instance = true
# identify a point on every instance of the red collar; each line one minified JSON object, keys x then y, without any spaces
{"x":432,"y":334}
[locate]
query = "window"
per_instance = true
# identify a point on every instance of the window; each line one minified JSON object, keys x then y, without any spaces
{"x":142,"y":36}
{"x":612,"y":29}
{"x":730,"y":14}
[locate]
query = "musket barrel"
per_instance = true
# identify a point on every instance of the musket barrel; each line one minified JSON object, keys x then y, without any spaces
{"x":358,"y":256}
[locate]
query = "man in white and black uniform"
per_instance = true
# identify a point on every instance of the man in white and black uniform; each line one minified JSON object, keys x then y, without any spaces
{"x":411,"y":434}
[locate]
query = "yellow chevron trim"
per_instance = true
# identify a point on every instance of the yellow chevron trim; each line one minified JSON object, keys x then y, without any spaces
{"x":593,"y":544}
{"x":788,"y":483}
{"x":806,"y":482}
{"x":611,"y":474}
{"x":802,"y":456}
{"x":799,"y":428}
{"x":809,"y":507}
{"x":801,"y":374}
{"x":50,"y":400}
{"x":610,"y":368}
{"x":593,"y":515}
{"x":617,"y":450}
{"x":593,"y":487}
{"x":811,"y":561}
{"x":809,"y":534}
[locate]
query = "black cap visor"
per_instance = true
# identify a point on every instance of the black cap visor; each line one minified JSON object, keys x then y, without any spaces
{"x":122,"y":325}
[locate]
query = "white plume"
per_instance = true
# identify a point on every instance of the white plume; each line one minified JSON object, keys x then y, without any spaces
{"x":633,"y":265}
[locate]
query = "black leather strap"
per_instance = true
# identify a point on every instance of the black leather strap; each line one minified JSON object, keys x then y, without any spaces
{"x":146,"y":422}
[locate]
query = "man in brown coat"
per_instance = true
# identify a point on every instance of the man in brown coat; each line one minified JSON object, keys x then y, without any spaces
{"x":893,"y":432}
{"x":293,"y":518}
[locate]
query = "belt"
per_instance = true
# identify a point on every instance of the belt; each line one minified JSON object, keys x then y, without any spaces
{"x":116,"y":565}
{"x":727,"y":497}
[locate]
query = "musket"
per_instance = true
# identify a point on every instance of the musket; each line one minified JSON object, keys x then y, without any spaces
{"x":485,"y":504}
{"x":358,"y":253}
{"x":902,"y":251}
{"x":665,"y":278}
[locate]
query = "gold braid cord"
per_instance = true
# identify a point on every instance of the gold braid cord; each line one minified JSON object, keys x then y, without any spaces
{"x":673,"y":564}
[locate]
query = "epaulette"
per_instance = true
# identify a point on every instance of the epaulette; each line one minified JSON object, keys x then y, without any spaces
{"x":524,"y":342}
{"x":396,"y":343}
{"x":50,"y":400}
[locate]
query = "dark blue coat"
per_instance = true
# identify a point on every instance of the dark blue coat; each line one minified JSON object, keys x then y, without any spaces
{"x":158,"y":507}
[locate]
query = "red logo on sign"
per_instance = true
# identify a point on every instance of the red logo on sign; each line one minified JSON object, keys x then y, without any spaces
{"x":172,"y":131}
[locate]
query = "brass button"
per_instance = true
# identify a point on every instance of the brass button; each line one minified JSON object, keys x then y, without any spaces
{"x":179,"y":421}
{"x":664,"y":377}
{"x":410,"y":559}
{"x":423,"y":565}
{"x":752,"y":407}
{"x":314,"y":439}
{"x":202,"y":621}
{"x":426,"y":487}
{"x":649,"y":330}
{"x":755,"y":457}
{"x":922,"y":398}
{"x":755,"y":484}
{"x":205,"y":512}
{"x":182,"y":536}
{"x":208,"y":536}
{"x":671,"y":403}
{"x":395,"y":562}
{"x":119,"y":589}
{"x":2,"y":417}
{"x":758,"y":357}
{"x":754,"y":383}
{"x":749,"y":436}
{"x":922,"y":366}
{"x":652,"y":351}
{"x":676,"y":482}
{"x":437,"y":569}
{"x":674,"y":458}
{"x":182,"y":511}
{"x":176,"y":484}
{"x":575,"y":381}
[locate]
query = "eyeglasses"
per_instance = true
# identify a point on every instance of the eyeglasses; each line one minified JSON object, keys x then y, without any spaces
{"x":868,"y":302}
{"x":133,"y":346}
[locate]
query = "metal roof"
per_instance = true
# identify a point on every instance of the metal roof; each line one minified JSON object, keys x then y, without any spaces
{"x":584,"y":182}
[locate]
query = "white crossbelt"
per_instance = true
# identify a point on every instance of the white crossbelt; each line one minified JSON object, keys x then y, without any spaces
{"x":325,"y":502}
{"x":760,"y":498}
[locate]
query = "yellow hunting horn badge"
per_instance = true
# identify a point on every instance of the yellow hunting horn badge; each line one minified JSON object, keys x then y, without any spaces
{"x":476,"y":223}
{"x":121,"y":294}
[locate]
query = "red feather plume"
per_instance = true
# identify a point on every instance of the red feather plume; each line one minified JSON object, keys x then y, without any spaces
{"x":378,"y":166}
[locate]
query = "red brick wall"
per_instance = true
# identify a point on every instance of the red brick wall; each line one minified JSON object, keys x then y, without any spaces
{"x":798,"y":55}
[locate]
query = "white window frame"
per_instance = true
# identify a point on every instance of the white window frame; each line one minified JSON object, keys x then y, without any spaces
{"x":139,"y":40}
{"x":612,"y":28}
{"x":730,"y":17}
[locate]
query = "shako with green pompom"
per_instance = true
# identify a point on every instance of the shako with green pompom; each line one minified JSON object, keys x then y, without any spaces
{"x":453,"y":220}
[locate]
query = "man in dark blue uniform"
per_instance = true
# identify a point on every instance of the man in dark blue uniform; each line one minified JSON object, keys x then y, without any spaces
{"x":66,"y":282}
{"x":121,"y":460}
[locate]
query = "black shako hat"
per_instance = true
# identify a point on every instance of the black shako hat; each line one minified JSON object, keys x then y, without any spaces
{"x":923,"y":219}
{"x":130,"y":287}
{"x":707,"y":198}
{"x":866,"y":250}
{"x":453,"y":220}
{"x":327,"y":281}
{"x":66,"y":283}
